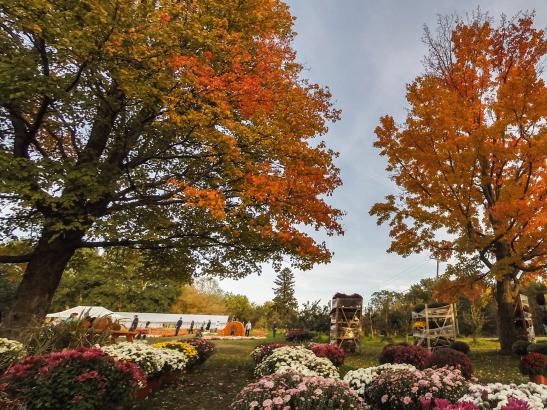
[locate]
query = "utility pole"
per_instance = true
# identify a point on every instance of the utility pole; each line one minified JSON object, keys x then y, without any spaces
{"x":437,"y":259}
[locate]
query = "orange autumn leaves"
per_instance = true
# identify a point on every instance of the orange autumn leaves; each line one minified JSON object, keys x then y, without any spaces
{"x":471,"y":157}
{"x":237,"y":115}
{"x":209,"y":199}
{"x":291,"y":199}
{"x":243,"y":98}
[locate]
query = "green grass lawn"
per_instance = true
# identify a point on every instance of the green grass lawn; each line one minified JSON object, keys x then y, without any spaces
{"x":214,"y":384}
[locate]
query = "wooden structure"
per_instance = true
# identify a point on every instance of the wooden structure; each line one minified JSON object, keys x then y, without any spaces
{"x":524,"y":322}
{"x":128,"y":334}
{"x":435,"y":326}
{"x":346,"y":321}
{"x":541,"y":300}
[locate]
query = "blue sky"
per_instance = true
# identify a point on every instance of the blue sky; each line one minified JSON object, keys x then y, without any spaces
{"x":365,"y":51}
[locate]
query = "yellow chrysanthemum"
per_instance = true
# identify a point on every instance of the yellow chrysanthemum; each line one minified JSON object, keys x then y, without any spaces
{"x":189,"y":350}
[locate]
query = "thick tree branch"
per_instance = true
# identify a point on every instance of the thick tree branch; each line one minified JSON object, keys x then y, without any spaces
{"x":103,"y":123}
{"x":15,"y":258}
{"x":20,"y":126}
{"x":484,"y":259}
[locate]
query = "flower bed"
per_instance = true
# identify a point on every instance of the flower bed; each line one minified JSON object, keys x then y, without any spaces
{"x":298,"y":335}
{"x":331,"y":352}
{"x":11,"y":351}
{"x":7,"y":402}
{"x":533,"y":364}
{"x":290,"y":390}
{"x":188,"y":350}
{"x":451,"y":358}
{"x":175,"y":361}
{"x":204,"y":348}
{"x":85,"y":378}
{"x":496,"y":395}
{"x":512,"y":404}
{"x":260,"y":352}
{"x":154,"y":362}
{"x":443,"y":404}
{"x":414,"y":355}
{"x":407,"y":389}
{"x":360,"y":379}
{"x":298,"y":359}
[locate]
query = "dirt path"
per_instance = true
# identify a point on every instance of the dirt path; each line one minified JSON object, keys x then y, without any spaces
{"x":210,"y":386}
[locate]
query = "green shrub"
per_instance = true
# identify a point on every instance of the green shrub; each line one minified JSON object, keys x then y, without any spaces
{"x":321,"y":337}
{"x":520,"y":347}
{"x":538,"y":348}
{"x":460,"y":347}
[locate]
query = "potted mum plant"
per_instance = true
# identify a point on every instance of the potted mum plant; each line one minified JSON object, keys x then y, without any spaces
{"x":534,"y":365}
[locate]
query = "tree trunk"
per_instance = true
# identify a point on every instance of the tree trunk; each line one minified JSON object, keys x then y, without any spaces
{"x":40,"y":281}
{"x":506,"y":314}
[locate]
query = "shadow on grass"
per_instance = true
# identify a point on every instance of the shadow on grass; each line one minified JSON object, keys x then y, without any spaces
{"x":212,"y":385}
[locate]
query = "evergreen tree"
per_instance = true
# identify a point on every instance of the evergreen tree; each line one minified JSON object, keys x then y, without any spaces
{"x":284,"y":301}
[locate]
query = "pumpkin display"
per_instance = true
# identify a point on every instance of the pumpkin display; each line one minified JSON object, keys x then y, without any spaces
{"x":233,"y":329}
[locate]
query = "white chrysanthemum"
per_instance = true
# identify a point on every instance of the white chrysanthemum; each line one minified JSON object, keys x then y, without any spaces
{"x":174,"y":359}
{"x":496,"y":395}
{"x":151,"y":360}
{"x":11,"y":351}
{"x":298,"y":359}
{"x":360,"y":379}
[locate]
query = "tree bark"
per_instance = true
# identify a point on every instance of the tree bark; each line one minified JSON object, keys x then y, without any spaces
{"x":506,"y":314}
{"x":39,"y":282}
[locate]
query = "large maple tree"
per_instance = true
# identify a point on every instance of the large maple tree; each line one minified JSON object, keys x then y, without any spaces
{"x":181,"y":126}
{"x":470,"y":159}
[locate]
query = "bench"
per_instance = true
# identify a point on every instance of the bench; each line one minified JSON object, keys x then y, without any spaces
{"x":128,"y":335}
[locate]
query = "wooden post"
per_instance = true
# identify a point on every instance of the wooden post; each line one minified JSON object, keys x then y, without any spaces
{"x":427,"y":328}
{"x":337,"y":326}
{"x":455,"y":319}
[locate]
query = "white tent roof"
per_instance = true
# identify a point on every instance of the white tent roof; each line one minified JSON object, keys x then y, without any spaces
{"x":93,"y":311}
{"x":216,"y":320}
{"x":153,"y":318}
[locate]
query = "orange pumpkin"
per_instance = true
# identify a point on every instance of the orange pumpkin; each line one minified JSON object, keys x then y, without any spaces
{"x":238,"y":329}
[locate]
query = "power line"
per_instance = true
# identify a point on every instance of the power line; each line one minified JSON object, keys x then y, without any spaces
{"x":403,"y":273}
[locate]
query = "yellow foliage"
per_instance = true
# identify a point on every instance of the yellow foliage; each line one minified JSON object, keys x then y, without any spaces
{"x":191,"y":300}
